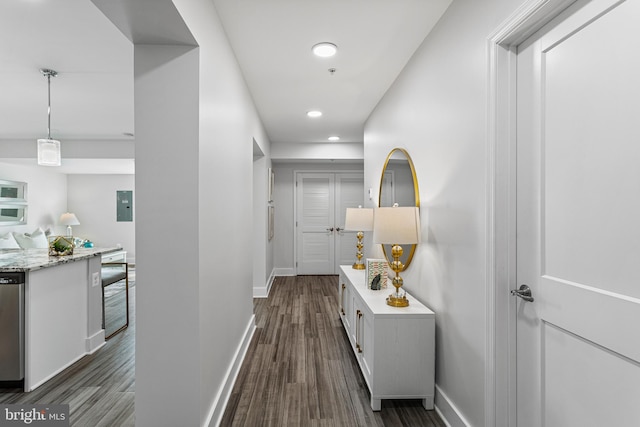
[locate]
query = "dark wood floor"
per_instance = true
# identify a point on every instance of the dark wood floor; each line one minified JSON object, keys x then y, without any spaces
{"x":300,"y":371}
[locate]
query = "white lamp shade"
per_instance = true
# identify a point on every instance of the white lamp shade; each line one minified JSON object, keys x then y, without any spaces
{"x":359,"y":219}
{"x":49,"y":152}
{"x":399,"y":225}
{"x":69,"y":218}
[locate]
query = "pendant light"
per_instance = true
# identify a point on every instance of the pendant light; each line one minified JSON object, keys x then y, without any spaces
{"x":49,"y":149}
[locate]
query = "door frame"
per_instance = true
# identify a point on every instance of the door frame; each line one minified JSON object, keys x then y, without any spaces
{"x":295,"y":205}
{"x":500,"y":383}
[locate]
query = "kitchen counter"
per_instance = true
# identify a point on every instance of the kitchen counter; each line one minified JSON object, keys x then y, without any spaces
{"x":35,"y":259}
{"x":62,"y":308}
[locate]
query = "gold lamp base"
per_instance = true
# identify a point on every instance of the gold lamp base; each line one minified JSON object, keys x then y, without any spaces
{"x":359,"y":265}
{"x":395,"y":301}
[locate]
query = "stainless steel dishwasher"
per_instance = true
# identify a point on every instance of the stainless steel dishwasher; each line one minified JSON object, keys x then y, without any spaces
{"x":11,"y":328}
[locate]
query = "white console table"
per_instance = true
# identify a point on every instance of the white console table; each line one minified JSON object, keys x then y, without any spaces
{"x":394,"y":346}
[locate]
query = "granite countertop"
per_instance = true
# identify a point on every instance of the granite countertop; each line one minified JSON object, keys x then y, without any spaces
{"x":35,"y":259}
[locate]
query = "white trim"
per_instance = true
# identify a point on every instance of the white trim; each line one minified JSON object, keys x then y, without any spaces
{"x":500,"y":357}
{"x":448,"y":412}
{"x":284,"y":272}
{"x":263,"y":291}
{"x":214,"y":417}
{"x":95,"y":342}
{"x":31,"y":387}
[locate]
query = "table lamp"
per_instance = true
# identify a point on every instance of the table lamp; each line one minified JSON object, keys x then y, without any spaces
{"x":359,"y":219}
{"x":396,"y":226}
{"x":69,"y":219}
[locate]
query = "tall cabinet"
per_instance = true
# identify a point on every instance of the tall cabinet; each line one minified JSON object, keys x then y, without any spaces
{"x":394,"y":346}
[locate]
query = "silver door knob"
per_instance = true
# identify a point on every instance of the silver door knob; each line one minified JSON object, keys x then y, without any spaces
{"x":524,"y":292}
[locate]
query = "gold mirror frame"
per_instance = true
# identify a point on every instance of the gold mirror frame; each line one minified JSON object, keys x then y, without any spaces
{"x":406,"y":259}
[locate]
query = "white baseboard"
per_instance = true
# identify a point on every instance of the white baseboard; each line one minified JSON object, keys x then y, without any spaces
{"x":284,"y":272}
{"x":220,"y":402}
{"x":263,"y":291}
{"x":30,"y":387}
{"x":448,"y":412}
{"x":95,"y":342}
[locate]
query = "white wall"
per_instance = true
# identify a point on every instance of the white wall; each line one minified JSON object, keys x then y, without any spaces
{"x":229,"y":123}
{"x":347,"y":151}
{"x":285,"y":188}
{"x":167,"y":260}
{"x":93,"y":199}
{"x":46,"y":196}
{"x":436,"y":109}
{"x":194,"y":154}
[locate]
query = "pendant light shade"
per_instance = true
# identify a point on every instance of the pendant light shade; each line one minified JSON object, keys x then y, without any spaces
{"x":49,"y":149}
{"x":49,"y":152}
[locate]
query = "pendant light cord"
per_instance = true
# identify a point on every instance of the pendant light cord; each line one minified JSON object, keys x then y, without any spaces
{"x":49,"y":106}
{"x":49,"y":74}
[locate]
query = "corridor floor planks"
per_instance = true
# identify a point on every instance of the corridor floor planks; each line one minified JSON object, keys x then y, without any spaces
{"x":300,"y":371}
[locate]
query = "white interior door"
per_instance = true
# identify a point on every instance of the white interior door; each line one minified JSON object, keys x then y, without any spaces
{"x":321,"y":202}
{"x":315,"y":223}
{"x":578,"y":211}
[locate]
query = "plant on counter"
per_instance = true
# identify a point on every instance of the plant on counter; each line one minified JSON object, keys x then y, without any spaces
{"x":60,"y":246}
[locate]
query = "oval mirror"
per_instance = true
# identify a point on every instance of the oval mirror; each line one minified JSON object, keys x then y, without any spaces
{"x":399,"y":184}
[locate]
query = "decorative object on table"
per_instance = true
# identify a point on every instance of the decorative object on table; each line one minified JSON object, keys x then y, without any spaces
{"x":49,"y":149}
{"x":60,"y":245}
{"x":377,"y":268}
{"x":359,"y":219}
{"x":88,"y":244}
{"x":397,"y":226}
{"x":69,"y":219}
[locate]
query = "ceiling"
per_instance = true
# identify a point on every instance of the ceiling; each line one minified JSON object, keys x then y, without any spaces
{"x":92,"y":97}
{"x":272,"y":41}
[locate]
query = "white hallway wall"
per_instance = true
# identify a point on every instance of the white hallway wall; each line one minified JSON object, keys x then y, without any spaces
{"x":437,"y":110}
{"x":182,"y":369}
{"x":93,"y":199}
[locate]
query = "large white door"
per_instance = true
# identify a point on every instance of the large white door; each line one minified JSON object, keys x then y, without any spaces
{"x":578,"y":219}
{"x":322,"y":244}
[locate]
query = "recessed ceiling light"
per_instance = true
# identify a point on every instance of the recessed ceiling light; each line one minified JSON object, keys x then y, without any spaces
{"x":334,"y":138}
{"x":324,"y":49}
{"x":314,"y":113}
